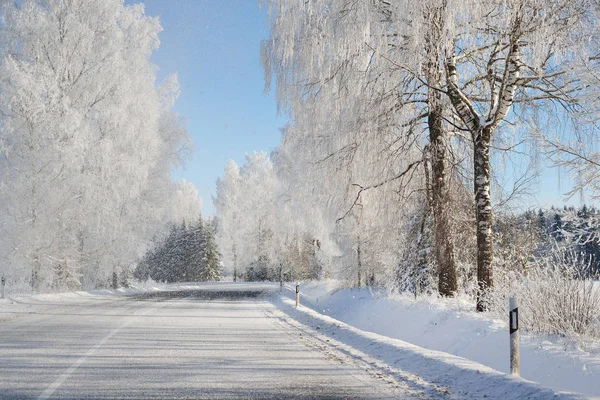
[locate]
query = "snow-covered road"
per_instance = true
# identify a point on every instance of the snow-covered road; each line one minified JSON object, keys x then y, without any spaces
{"x":179,"y":344}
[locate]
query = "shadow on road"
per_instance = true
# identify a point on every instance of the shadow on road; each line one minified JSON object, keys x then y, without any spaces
{"x":199,"y":294}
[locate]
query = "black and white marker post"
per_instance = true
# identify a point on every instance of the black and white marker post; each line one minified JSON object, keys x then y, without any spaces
{"x":2,"y":283}
{"x":297,"y":294}
{"x":513,"y":321}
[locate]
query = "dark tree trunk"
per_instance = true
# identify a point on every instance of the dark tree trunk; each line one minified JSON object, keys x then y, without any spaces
{"x":35,"y":274}
{"x":444,"y":247}
{"x":420,"y":259}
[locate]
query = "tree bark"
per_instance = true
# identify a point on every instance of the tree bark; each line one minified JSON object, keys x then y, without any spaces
{"x":444,"y":246}
{"x":419,"y":259}
{"x":483,"y":207}
{"x":481,"y":134}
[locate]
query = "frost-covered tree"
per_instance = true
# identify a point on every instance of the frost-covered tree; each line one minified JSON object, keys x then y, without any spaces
{"x":576,"y":149}
{"x":506,"y":55}
{"x":354,"y":74}
{"x":258,"y":183}
{"x":87,"y":140}
{"x":258,"y":230}
{"x":227,"y":202}
{"x":186,"y":203}
{"x":345,"y":63}
{"x":188,"y":253}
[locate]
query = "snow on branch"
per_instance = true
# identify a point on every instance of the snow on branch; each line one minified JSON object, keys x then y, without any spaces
{"x":375,"y":186}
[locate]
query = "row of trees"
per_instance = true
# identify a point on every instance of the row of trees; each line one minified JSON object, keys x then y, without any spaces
{"x":255,"y":230}
{"x":398,"y":107}
{"x":398,"y":112}
{"x":538,"y":235}
{"x":187,"y":254}
{"x":87,"y":142}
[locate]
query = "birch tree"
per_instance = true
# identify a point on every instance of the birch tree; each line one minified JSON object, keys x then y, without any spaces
{"x":512,"y":54}
{"x":227,"y":203}
{"x":247,"y":218}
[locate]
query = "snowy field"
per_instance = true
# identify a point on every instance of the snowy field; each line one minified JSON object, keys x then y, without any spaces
{"x":453,"y":327}
{"x":67,"y":345}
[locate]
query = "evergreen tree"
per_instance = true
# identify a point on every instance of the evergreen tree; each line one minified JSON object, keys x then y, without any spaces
{"x":542,"y":220}
{"x":196,"y":246}
{"x":571,"y":228}
{"x":557,"y":227}
{"x":188,"y":254}
{"x":211,"y":262}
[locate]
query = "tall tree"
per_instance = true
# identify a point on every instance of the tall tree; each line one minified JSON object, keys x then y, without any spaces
{"x":345,"y":63}
{"x":86,"y":137}
{"x":506,"y":54}
{"x":435,"y":17}
{"x":211,"y":262}
{"x":227,"y":202}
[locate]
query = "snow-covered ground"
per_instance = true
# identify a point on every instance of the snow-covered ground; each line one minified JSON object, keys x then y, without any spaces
{"x":453,"y":327}
{"x":17,"y":303}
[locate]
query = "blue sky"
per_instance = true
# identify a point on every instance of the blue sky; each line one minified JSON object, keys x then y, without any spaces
{"x":214,"y":46}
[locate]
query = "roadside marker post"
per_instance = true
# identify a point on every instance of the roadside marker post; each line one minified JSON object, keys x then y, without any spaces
{"x":513,"y":321}
{"x":2,"y":283}
{"x":297,"y":294}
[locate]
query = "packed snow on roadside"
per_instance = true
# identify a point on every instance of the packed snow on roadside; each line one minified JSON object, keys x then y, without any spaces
{"x":452,"y":326}
{"x":20,"y":301}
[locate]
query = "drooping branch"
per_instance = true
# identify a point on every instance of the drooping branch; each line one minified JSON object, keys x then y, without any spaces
{"x":375,"y":186}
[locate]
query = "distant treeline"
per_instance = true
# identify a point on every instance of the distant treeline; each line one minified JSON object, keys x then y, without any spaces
{"x":536,"y":234}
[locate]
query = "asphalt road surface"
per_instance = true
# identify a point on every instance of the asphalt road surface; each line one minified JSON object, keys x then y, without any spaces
{"x":216,"y":343}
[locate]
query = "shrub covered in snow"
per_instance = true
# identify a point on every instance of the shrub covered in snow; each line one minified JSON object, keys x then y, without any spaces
{"x":557,"y":295}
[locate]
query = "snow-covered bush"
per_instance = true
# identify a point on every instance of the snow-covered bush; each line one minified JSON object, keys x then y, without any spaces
{"x":557,"y":295}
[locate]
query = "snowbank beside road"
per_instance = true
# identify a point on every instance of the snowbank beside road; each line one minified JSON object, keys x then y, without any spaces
{"x":451,"y":326}
{"x":16,"y":305}
{"x":19,"y":304}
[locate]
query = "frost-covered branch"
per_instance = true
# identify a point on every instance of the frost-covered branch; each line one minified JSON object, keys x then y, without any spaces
{"x":375,"y":186}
